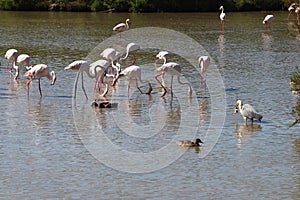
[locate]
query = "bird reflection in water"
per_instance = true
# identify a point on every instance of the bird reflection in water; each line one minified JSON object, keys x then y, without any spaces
{"x":267,"y":41}
{"x":245,"y":132}
{"x":294,"y":29}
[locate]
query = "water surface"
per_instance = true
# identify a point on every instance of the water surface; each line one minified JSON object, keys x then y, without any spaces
{"x":42,"y":151}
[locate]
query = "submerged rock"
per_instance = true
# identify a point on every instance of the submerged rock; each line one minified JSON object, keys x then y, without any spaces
{"x":104,"y":104}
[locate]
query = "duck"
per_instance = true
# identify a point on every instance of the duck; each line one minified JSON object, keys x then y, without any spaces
{"x":188,"y":143}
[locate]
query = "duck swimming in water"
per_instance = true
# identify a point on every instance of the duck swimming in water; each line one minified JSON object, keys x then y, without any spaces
{"x":187,"y":143}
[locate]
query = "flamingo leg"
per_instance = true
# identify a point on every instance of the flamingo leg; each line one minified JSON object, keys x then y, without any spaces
{"x":28,"y":84}
{"x":171,"y":87}
{"x":76,"y":82}
{"x":137,"y":86}
{"x":165,"y":90}
{"x":10,"y":70}
{"x":82,"y":86}
{"x":128,"y":88}
{"x":40,"y":88}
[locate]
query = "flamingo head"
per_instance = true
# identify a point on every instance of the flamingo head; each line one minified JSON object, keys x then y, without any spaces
{"x":221,"y":8}
{"x":128,"y":21}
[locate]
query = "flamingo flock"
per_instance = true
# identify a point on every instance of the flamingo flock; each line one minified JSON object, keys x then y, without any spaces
{"x":112,"y":65}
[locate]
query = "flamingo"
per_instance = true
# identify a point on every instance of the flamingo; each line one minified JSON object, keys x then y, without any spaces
{"x":204,"y":62}
{"x":81,"y":66}
{"x":268,"y":19}
{"x":188,"y":143}
{"x":99,"y":67}
{"x":131,"y":48}
{"x":23,"y":59}
{"x":133,"y":72}
{"x":11,"y":56}
{"x":297,"y":14}
{"x":122,"y":26}
{"x":111,"y":55}
{"x":162,"y":55}
{"x":247,"y":111}
{"x":222,"y":17}
{"x":291,"y":8}
{"x":173,"y":69}
{"x":39,"y":71}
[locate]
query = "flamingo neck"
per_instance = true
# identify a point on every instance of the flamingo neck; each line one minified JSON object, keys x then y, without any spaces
{"x":165,"y":60}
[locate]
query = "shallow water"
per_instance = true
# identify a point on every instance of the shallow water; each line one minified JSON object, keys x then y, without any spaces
{"x":55,"y":147}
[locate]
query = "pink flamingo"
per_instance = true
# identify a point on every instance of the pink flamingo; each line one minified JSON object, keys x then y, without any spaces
{"x":134,"y":72}
{"x":204,"y":62}
{"x":172,"y":69}
{"x":39,"y":71}
{"x":222,"y":17}
{"x":23,"y":59}
{"x":122,"y":26}
{"x":131,"y":48}
{"x":11,"y":55}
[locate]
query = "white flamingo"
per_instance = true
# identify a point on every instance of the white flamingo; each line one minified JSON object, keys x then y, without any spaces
{"x":172,"y":69}
{"x":131,"y":48}
{"x":99,"y":67}
{"x":112,"y":55}
{"x":39,"y":71}
{"x":122,"y":26}
{"x":162,"y":55}
{"x":133,"y":72}
{"x":11,"y":55}
{"x":222,"y":17}
{"x":23,"y":59}
{"x":81,"y":66}
{"x":247,"y":111}
{"x":268,"y":19}
{"x":204,"y":62}
{"x":291,"y":8}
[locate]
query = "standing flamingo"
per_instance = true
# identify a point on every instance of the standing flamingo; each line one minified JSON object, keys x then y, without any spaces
{"x":173,"y":69}
{"x":133,"y":72}
{"x":23,"y":59}
{"x":162,"y":55}
{"x":131,"y":48}
{"x":268,"y":19}
{"x":291,"y":8}
{"x":11,"y":56}
{"x":222,"y":17}
{"x":81,"y":66}
{"x":99,"y":67}
{"x":297,"y":10}
{"x":204,"y":62}
{"x":112,"y":55}
{"x":39,"y":71}
{"x":122,"y":26}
